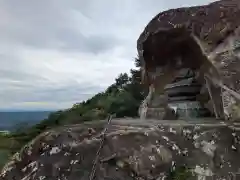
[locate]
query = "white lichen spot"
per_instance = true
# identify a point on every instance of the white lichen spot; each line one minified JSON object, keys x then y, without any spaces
{"x":27,"y":177}
{"x":196,"y":144}
{"x":161,"y":128}
{"x":146,"y":133}
{"x":141,"y":148}
{"x":35,"y":169}
{"x":172,"y":130}
{"x":175,"y":147}
{"x":212,"y":142}
{"x":215,"y":135}
{"x":164,"y":177}
{"x":29,"y":151}
{"x":186,"y":132}
{"x":196,"y":136}
{"x":158,"y":150}
{"x":64,"y":145}
{"x":152,"y":129}
{"x":165,"y":138}
{"x":41,"y":177}
{"x":120,"y":164}
{"x":152,"y":158}
{"x":43,"y":144}
{"x":73,"y":144}
{"x":17,"y":157}
{"x":234,"y":134}
{"x":233,"y":147}
{"x":24,"y":169}
{"x":74,"y":161}
{"x":55,"y":150}
{"x":6,"y":170}
{"x":202,"y":173}
{"x":173,"y":165}
{"x":222,"y":123}
{"x":67,"y":154}
{"x":196,"y":128}
{"x":208,"y":148}
{"x":45,"y":147}
{"x":69,"y":130}
{"x":185,"y":151}
{"x":32,"y":164}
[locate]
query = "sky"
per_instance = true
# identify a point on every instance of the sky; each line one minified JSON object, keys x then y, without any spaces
{"x":54,"y":53}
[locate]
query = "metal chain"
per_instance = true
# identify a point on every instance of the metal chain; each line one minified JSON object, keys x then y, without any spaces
{"x":92,"y":174}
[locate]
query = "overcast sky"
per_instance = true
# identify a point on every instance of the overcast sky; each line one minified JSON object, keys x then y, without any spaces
{"x":54,"y":53}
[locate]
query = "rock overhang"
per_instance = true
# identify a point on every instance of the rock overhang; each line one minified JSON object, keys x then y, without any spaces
{"x":210,"y":23}
{"x":165,"y":47}
{"x":201,"y":27}
{"x":203,"y":38}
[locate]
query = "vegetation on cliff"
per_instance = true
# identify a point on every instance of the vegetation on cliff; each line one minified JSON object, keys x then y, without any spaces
{"x":122,"y":99}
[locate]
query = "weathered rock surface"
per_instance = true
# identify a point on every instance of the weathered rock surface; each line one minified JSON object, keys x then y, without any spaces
{"x":210,"y":23}
{"x":203,"y":38}
{"x":133,"y":149}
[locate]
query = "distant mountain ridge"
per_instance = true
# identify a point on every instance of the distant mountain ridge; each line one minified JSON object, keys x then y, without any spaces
{"x":9,"y":120}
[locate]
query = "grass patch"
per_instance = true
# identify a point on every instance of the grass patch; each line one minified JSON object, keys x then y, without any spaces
{"x":179,"y":173}
{"x":4,"y":157}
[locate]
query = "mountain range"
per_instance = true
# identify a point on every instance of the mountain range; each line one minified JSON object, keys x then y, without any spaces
{"x":10,"y":120}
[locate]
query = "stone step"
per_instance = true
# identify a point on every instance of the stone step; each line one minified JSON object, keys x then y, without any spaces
{"x":181,"y":98}
{"x":155,"y":113}
{"x":183,"y":90}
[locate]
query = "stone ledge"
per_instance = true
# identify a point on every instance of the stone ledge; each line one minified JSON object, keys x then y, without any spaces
{"x":145,"y":149}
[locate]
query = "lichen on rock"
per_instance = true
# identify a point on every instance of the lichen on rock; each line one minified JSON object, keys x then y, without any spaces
{"x":203,"y":39}
{"x":142,"y":150}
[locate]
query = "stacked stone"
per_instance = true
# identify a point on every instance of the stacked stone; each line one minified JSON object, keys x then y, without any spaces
{"x":182,"y":95}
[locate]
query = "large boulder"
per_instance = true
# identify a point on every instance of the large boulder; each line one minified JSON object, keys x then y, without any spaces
{"x":133,"y":149}
{"x":203,"y":38}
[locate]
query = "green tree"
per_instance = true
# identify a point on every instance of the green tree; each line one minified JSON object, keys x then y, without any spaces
{"x":122,"y":80}
{"x":122,"y":98}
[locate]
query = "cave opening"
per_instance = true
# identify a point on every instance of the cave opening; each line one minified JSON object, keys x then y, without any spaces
{"x":168,"y":55}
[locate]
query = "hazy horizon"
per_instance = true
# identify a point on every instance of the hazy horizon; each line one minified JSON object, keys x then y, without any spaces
{"x":12,"y":119}
{"x":55,"y":53}
{"x":29,"y":110}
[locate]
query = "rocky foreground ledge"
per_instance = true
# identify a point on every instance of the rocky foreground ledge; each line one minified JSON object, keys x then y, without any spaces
{"x":133,"y":149}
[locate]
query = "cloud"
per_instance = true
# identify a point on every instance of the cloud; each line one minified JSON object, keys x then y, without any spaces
{"x":54,"y":53}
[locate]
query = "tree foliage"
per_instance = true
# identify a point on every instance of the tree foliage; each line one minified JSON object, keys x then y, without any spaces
{"x":122,"y":98}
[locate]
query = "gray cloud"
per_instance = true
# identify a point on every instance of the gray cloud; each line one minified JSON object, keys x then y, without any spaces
{"x":54,"y":53}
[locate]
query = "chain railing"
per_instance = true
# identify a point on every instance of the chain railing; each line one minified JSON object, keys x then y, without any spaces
{"x":96,"y":159}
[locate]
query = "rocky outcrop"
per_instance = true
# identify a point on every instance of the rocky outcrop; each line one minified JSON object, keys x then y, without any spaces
{"x":203,"y":38}
{"x":133,"y":149}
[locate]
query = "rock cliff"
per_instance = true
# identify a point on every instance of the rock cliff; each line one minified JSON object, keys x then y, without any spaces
{"x":203,"y":39}
{"x":133,"y":149}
